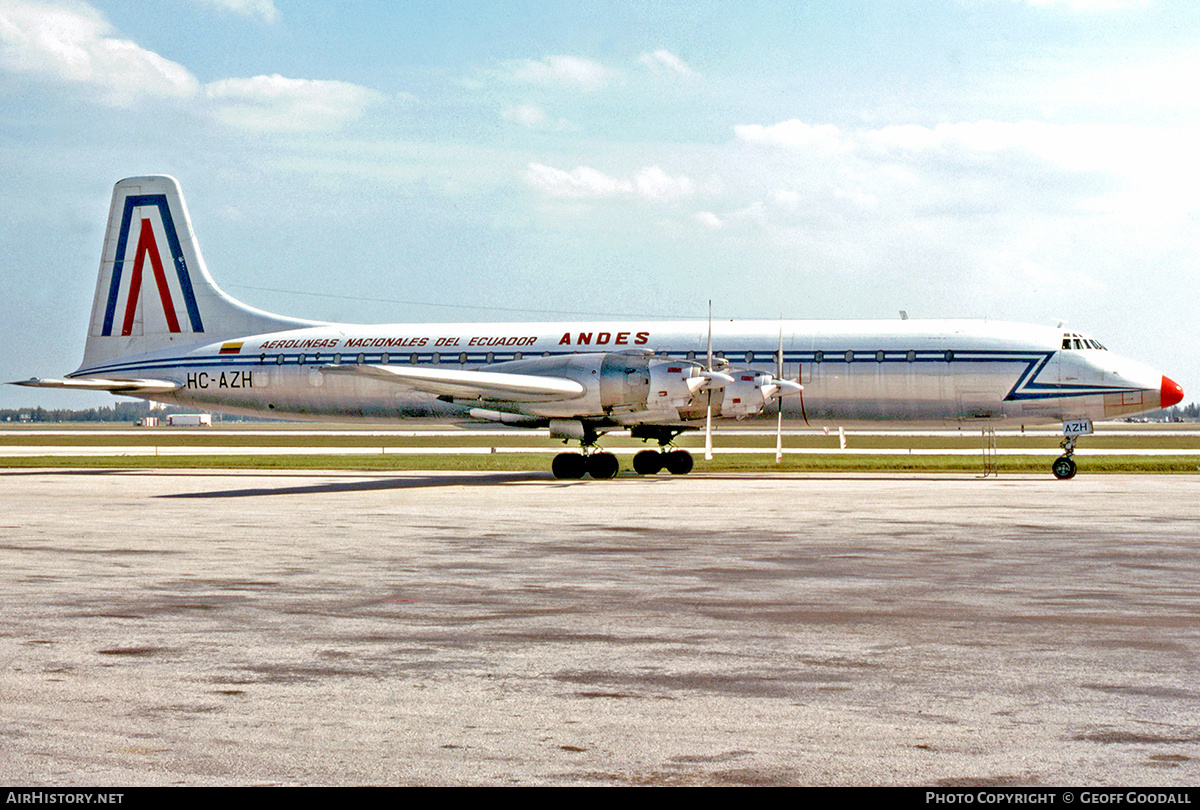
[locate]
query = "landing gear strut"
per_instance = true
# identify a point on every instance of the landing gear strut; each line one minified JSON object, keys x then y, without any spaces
{"x":1064,"y":466}
{"x":651,"y":462}
{"x":591,"y":461}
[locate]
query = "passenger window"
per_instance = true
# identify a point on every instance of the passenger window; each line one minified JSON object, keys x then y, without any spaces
{"x":300,"y":360}
{"x":849,"y":356}
{"x":412,"y":358}
{"x":949,"y":356}
{"x":818,"y":357}
{"x":279,"y":360}
{"x":517,"y":355}
{"x":491,"y":358}
{"x":462,"y":358}
{"x":879,"y":356}
{"x":362,"y":358}
{"x":912,"y":356}
{"x":749,"y":357}
{"x":385,"y":358}
{"x":437,"y":358}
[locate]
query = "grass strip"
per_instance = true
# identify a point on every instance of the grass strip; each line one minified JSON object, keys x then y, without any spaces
{"x":511,"y":462}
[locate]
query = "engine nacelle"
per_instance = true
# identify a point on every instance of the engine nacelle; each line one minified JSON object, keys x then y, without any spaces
{"x":625,"y":386}
{"x":748,"y":394}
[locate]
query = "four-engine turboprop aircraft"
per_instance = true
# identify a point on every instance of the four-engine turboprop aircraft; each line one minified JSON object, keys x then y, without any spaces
{"x":162,"y":330}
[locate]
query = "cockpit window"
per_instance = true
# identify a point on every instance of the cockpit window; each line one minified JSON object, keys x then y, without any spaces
{"x":1073,"y":340}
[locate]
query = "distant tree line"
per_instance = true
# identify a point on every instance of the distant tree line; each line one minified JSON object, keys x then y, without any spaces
{"x":119,"y":412}
{"x":1189,"y":412}
{"x":128,"y":412}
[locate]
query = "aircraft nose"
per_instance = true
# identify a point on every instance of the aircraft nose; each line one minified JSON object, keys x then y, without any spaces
{"x":1171,"y":392}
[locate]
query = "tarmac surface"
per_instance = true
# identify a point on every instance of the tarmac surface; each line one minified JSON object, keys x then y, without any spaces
{"x":212,"y":628}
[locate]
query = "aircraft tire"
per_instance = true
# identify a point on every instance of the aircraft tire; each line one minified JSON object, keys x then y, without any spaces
{"x":568,"y":465}
{"x":603,"y":465}
{"x":648,"y":462}
{"x":678,"y":462}
{"x":1063,"y":467}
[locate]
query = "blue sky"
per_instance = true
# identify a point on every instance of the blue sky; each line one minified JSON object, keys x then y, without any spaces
{"x":1029,"y":160}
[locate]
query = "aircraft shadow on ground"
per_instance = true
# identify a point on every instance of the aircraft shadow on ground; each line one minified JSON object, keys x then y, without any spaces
{"x":416,"y":481}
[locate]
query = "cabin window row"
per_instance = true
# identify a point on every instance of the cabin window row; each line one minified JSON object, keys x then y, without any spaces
{"x":387,"y":358}
{"x":463,"y":358}
{"x":850,"y":356}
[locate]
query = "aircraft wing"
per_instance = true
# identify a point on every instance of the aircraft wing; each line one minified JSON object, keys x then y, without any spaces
{"x":131,"y":387}
{"x":460,"y":384}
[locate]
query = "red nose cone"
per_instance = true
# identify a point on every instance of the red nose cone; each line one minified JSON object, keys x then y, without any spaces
{"x":1171,"y":392}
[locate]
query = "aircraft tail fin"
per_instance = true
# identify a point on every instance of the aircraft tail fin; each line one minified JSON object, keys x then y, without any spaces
{"x":154,"y":289}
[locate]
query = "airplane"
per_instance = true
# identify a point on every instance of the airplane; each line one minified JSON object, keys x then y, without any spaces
{"x":162,"y":330}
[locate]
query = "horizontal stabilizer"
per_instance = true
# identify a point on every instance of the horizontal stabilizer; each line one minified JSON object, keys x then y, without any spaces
{"x":461,"y":384}
{"x":131,"y":387}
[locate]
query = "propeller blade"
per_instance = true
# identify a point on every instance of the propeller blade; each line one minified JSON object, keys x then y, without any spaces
{"x":778,"y":394}
{"x":708,"y":454}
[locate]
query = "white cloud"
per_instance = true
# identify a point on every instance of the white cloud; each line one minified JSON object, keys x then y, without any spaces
{"x":710,"y":220}
{"x":566,"y":71}
{"x":653,"y":184}
{"x":529,"y":115}
{"x":793,"y":133}
{"x":663,"y":61}
{"x":263,"y":9}
{"x":276,"y":103}
{"x":577,"y":183}
{"x":650,"y":183}
{"x":72,"y":44}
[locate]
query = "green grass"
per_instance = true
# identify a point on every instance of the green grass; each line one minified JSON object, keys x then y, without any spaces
{"x":540,"y":462}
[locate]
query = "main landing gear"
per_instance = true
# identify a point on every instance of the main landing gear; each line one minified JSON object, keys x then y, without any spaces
{"x":599,"y":464}
{"x":575,"y":465}
{"x":652,"y":462}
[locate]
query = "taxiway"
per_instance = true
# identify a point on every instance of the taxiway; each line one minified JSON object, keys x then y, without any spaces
{"x":210,"y":628}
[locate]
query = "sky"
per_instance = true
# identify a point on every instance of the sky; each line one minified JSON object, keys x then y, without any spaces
{"x":376,"y":162}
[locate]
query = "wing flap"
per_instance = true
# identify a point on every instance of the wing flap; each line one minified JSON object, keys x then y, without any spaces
{"x":133,"y":387}
{"x":463,"y":384}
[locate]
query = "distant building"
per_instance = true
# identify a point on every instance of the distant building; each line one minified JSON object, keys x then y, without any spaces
{"x":189,"y":420}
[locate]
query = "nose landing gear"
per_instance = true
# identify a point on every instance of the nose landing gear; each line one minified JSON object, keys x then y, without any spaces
{"x":1064,"y":466}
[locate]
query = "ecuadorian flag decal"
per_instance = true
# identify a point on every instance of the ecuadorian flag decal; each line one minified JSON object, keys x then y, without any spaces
{"x":231,"y":348}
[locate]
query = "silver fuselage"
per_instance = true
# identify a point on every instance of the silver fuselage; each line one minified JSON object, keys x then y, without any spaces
{"x":903,"y":370}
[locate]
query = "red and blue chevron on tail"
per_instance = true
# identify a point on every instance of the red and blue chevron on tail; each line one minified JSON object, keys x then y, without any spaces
{"x":154,"y":292}
{"x":146,"y":223}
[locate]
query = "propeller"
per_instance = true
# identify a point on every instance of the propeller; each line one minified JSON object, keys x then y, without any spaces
{"x":708,"y":454}
{"x":779,"y":376}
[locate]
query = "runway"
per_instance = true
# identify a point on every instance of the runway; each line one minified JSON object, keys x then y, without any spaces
{"x":214,"y":628}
